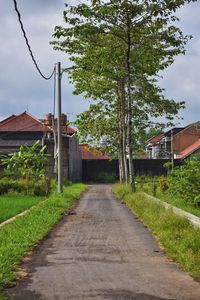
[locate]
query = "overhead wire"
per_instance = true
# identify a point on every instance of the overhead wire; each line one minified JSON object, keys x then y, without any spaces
{"x":28,"y":45}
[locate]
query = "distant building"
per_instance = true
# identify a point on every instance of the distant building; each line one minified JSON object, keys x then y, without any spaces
{"x":89,"y":152}
{"x":180,"y":142}
{"x":25,"y":129}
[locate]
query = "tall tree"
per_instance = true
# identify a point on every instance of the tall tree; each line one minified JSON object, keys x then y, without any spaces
{"x":117,"y":48}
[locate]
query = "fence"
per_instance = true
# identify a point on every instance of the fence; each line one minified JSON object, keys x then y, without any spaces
{"x":94,"y":170}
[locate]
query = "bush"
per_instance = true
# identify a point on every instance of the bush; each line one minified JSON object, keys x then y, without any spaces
{"x":141,"y":180}
{"x":184,"y":181}
{"x":154,"y":185}
{"x":27,"y":163}
{"x":163,"y":183}
{"x":54,"y":183}
{"x":25,"y":187}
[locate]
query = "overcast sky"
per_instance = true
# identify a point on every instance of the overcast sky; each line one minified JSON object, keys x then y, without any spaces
{"x":22,"y":88}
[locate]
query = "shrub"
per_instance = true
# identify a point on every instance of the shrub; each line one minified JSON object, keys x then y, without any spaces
{"x":25,"y":187}
{"x":184,"y":181}
{"x":54,"y":183}
{"x":154,"y":186}
{"x":140,"y":180}
{"x":163,"y":183}
{"x":27,"y":163}
{"x":41,"y":188}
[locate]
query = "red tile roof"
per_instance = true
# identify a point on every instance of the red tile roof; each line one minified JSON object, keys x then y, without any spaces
{"x":23,"y":122}
{"x":155,"y":139}
{"x":27,"y":122}
{"x":89,"y":152}
{"x":7,"y":119}
{"x":189,"y":150}
{"x":68,"y":129}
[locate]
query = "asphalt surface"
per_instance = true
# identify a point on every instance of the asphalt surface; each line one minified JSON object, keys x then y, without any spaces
{"x":102,"y":251}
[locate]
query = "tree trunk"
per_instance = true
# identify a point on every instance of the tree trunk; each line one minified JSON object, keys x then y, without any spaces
{"x":124,"y":136}
{"x":129,"y":115}
{"x":120,"y":134}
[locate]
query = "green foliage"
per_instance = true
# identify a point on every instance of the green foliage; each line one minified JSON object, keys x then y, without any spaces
{"x":184,"y":181}
{"x":54,"y":183}
{"x":168,"y":165}
{"x":140,"y":181}
{"x":163,"y":183}
{"x":154,"y":185}
{"x":13,"y":204}
{"x":28,"y":162}
{"x":117,"y":49}
{"x":40,"y":187}
{"x":144,"y":184}
{"x":179,"y":238}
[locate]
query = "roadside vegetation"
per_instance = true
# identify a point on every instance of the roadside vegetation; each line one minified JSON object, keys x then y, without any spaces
{"x":181,"y":186}
{"x":23,"y":183}
{"x":24,"y":186}
{"x":20,"y":236}
{"x":11,"y":205}
{"x":179,"y":238}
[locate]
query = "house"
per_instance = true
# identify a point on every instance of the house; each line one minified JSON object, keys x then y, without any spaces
{"x":25,"y":129}
{"x":178,"y":142}
{"x":89,"y":152}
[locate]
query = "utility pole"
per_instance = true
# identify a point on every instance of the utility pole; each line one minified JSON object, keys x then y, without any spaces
{"x":172,"y":150}
{"x":58,"y":99}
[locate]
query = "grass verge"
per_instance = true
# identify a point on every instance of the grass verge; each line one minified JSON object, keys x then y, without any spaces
{"x":20,"y":236}
{"x":11,"y":205}
{"x":165,"y":196}
{"x":179,"y":238}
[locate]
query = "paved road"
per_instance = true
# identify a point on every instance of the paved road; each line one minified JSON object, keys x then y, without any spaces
{"x":103,"y":252}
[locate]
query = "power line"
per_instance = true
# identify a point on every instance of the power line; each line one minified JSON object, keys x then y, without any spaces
{"x":27,"y":43}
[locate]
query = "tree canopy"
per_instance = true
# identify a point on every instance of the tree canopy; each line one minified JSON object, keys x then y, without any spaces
{"x":117,"y":49}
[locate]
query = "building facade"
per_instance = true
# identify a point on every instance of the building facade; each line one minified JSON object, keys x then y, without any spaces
{"x":176,"y":143}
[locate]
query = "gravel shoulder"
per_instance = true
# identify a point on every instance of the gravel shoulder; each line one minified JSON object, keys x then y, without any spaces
{"x":102,"y":251}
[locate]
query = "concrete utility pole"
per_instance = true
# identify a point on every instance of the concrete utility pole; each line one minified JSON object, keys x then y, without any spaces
{"x":172,"y":150}
{"x":58,"y":99}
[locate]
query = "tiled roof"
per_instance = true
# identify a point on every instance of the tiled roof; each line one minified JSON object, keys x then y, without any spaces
{"x":155,"y":139}
{"x":68,"y":129}
{"x":89,"y":152}
{"x":27,"y":122}
{"x":189,"y":150}
{"x":23,"y":122}
{"x":7,"y":119}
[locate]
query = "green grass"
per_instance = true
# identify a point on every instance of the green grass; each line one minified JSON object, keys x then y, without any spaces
{"x":179,"y":238}
{"x":11,"y":205}
{"x":20,"y":236}
{"x":165,"y":196}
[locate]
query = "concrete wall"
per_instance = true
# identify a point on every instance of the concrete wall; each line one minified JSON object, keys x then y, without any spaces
{"x":75,"y":160}
{"x":71,"y":158}
{"x":50,"y":168}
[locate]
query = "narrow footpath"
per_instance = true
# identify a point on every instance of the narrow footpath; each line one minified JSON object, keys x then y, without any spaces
{"x":102,"y":251}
